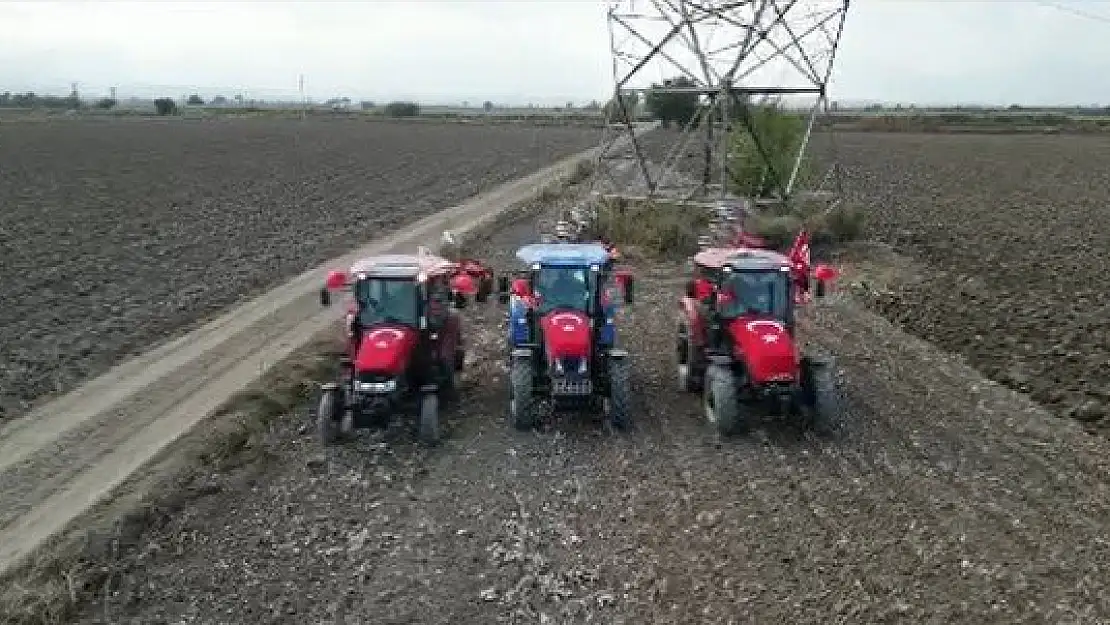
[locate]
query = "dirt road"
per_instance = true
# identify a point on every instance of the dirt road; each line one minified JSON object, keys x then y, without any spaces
{"x":66,"y":455}
{"x":942,"y":498}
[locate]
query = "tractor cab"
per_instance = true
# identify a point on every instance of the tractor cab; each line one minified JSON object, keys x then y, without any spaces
{"x":403,"y":338}
{"x":562,"y":331}
{"x":744,"y":283}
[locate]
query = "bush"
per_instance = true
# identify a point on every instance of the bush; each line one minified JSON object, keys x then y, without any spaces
{"x":780,"y":133}
{"x":845,"y":223}
{"x":840,"y":224}
{"x":106,"y":104}
{"x":402,"y":109}
{"x":778,"y":231}
{"x":657,"y":227}
{"x":615,"y":114}
{"x":677,"y":108}
{"x":165,"y":106}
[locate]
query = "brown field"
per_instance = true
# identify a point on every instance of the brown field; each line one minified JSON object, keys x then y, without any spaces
{"x":939,"y":497}
{"x":1008,"y":246}
{"x":115,"y":234}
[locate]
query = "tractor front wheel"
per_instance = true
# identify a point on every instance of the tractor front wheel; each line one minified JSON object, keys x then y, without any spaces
{"x":620,"y":393}
{"x":328,"y":416}
{"x":429,"y":418}
{"x":722,"y":409}
{"x":521,"y":411}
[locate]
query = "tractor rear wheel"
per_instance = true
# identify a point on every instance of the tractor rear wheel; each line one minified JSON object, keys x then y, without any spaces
{"x":620,"y":393}
{"x":429,"y":418}
{"x":722,"y":409}
{"x":328,"y":416}
{"x":521,"y":401}
{"x":821,"y":403}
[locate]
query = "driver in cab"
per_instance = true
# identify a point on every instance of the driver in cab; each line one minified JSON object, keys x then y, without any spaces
{"x":750,"y":294}
{"x":565,"y":288}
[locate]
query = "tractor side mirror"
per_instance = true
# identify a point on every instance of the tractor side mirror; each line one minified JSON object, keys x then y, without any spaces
{"x":459,"y":299}
{"x":521,"y":288}
{"x":503,"y":289}
{"x":629,"y":288}
{"x":336,"y":280}
{"x":824,"y":275}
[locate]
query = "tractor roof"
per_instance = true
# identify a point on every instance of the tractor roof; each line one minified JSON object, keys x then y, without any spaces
{"x":401,"y":265}
{"x":741,"y":258}
{"x":565,"y":254}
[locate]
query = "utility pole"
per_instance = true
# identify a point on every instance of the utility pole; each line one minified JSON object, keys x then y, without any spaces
{"x":304,"y":103}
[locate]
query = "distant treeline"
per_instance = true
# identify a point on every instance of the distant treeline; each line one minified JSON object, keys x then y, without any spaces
{"x":31,"y":100}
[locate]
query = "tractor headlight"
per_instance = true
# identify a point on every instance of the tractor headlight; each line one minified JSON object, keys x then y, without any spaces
{"x":583,"y":366}
{"x":558,"y":367}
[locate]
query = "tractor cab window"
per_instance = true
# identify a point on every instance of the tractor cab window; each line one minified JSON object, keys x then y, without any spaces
{"x":758,"y":293}
{"x":386,"y":301}
{"x":563,"y":287}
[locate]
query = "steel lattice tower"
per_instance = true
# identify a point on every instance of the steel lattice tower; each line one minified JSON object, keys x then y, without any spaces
{"x":732,"y":54}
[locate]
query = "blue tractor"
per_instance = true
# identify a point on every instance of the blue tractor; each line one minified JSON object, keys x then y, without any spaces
{"x":562,"y":335}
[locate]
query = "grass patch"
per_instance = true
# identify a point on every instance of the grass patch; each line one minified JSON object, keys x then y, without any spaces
{"x":657,"y":228}
{"x":829,"y":225}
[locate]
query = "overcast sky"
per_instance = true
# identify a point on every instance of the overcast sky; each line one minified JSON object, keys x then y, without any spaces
{"x":519,"y":51}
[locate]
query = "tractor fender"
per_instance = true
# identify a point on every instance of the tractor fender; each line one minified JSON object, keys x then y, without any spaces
{"x":690,"y":316}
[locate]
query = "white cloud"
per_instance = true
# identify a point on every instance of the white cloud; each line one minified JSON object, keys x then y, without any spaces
{"x":518,"y":50}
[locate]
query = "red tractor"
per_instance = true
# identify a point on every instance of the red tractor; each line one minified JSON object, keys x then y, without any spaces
{"x":737,"y":338}
{"x":404,"y":340}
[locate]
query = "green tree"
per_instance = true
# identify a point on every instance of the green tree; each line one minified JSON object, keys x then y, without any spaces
{"x":106,"y":103}
{"x":195,"y":100}
{"x":761,"y":159}
{"x":165,"y":106}
{"x":402,"y":109}
{"x":678,"y":108}
{"x":615,"y":113}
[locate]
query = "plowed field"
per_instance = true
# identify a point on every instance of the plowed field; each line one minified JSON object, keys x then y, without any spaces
{"x":1003,"y":249}
{"x":115,"y":235}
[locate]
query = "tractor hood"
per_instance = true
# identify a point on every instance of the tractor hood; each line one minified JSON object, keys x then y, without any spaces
{"x":766,"y":348}
{"x":566,"y":334}
{"x":385,"y":349}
